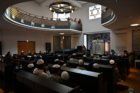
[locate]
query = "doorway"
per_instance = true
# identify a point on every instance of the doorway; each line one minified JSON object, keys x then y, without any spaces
{"x":26,"y":47}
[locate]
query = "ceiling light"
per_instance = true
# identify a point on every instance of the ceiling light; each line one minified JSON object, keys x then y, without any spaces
{"x":50,"y":8}
{"x":72,"y":11}
{"x":61,"y":10}
{"x":58,"y":5}
{"x":135,"y":24}
{"x":70,"y":7}
{"x":62,"y":33}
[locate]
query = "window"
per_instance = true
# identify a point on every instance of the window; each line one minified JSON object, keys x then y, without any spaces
{"x":61,"y":16}
{"x":85,"y":41}
{"x":95,"y":12}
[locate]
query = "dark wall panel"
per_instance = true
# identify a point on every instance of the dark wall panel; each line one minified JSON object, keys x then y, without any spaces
{"x":67,"y":42}
{"x":56,"y":42}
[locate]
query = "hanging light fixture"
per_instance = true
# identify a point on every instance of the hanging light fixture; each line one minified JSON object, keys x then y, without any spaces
{"x":61,"y":7}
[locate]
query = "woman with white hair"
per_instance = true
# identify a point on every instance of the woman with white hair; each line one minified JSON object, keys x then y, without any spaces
{"x":95,"y":67}
{"x":81,"y":63}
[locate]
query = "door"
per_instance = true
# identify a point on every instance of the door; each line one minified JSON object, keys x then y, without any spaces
{"x":22,"y":46}
{"x":67,"y":42}
{"x":56,"y":43}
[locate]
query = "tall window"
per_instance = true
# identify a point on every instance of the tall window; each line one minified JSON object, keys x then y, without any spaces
{"x":63,"y":17}
{"x":85,"y":41}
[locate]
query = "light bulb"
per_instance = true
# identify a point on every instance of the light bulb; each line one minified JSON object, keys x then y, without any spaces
{"x":50,"y":8}
{"x":70,"y":7}
{"x":61,"y":10}
{"x":58,"y":5}
{"x":72,"y":11}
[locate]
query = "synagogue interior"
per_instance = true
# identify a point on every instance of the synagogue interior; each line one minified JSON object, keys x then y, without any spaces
{"x":70,"y":46}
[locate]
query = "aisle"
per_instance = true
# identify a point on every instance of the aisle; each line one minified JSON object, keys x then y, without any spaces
{"x":132,"y":81}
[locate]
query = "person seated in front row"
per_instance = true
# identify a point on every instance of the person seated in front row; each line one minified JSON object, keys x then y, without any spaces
{"x":56,"y":71}
{"x":95,"y":67}
{"x":39,"y":69}
{"x":30,"y":68}
{"x":81,"y":63}
{"x":126,"y":54}
{"x":22,"y":52}
{"x":112,"y":63}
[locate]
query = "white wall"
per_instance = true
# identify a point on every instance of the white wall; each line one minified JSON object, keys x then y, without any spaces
{"x":11,"y":37}
{"x":35,"y":8}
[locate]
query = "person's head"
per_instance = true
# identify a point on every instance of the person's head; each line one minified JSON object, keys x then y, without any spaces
{"x":40,"y":64}
{"x":40,"y":51}
{"x":95,"y":66}
{"x":16,"y":62}
{"x":38,"y":57}
{"x":112,"y":50}
{"x":112,"y":62}
{"x":22,"y":52}
{"x":9,"y":54}
{"x":56,"y":69}
{"x":125,"y":51}
{"x":56,"y":61}
{"x":65,"y":75}
{"x":30,"y":66}
{"x":65,"y":65}
{"x":80,"y":62}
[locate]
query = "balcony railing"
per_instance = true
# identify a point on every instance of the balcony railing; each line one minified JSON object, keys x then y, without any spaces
{"x":26,"y":18}
{"x":108,"y":16}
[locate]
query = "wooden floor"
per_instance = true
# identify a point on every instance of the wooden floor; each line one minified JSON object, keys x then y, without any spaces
{"x":132,"y":81}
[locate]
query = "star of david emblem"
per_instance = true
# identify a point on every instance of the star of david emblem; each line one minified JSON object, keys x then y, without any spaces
{"x":98,"y":12}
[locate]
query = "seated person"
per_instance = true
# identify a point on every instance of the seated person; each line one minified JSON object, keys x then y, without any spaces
{"x":39,"y":69}
{"x":95,"y":67}
{"x":30,"y":53}
{"x":15,"y":57}
{"x":40,"y":52}
{"x":37,"y":58}
{"x":65,"y":65}
{"x":126,"y":54}
{"x":100,"y":57}
{"x":22,"y":52}
{"x":81,"y":65}
{"x":75,"y":20}
{"x":56,"y":71}
{"x":138,"y":57}
{"x":65,"y":77}
{"x":118,"y":57}
{"x":92,"y":56}
{"x":79,"y":21}
{"x":46,"y":52}
{"x":73,"y":58}
{"x":9,"y":61}
{"x":113,"y":52}
{"x":56,"y":61}
{"x":85,"y":58}
{"x":8,"y":56}
{"x":30,"y":68}
{"x":17,"y":64}
{"x":112,"y":63}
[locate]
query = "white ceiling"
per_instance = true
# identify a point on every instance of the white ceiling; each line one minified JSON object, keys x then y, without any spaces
{"x":122,"y":9}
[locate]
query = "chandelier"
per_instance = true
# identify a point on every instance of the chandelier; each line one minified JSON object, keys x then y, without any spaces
{"x":62,"y":7}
